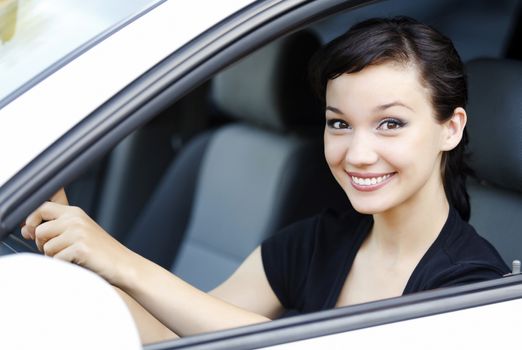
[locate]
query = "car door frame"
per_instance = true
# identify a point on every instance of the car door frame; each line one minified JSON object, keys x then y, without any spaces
{"x":357,"y":317}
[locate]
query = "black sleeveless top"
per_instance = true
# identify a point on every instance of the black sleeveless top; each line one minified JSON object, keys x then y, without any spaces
{"x":308,"y":262}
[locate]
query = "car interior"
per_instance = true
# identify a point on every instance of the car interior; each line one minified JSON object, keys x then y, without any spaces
{"x":232,"y":162}
{"x":240,"y":157}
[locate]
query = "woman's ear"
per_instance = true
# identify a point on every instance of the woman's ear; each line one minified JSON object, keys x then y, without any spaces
{"x":453,"y":129}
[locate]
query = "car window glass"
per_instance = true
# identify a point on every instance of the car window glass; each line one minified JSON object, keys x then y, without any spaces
{"x":36,"y":34}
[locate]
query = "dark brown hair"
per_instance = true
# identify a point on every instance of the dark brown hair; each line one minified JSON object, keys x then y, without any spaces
{"x":406,"y":41}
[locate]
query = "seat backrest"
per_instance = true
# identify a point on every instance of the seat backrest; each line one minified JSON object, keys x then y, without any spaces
{"x":254,"y":175}
{"x":495,"y":131}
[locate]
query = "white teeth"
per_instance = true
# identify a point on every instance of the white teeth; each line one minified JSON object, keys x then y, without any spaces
{"x":369,"y":180}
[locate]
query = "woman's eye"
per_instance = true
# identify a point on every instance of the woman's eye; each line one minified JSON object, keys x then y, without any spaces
{"x":391,"y":124}
{"x":338,"y":124}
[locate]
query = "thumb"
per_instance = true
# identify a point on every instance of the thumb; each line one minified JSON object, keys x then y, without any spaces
{"x":60,"y":197}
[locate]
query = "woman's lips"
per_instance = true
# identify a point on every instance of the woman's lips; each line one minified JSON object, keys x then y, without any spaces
{"x":369,"y":182}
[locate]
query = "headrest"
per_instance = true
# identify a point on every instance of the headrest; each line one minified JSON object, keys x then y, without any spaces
{"x":270,"y":87}
{"x":495,"y":121}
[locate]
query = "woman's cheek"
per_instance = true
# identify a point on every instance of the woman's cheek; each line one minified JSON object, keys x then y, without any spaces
{"x":334,"y":150}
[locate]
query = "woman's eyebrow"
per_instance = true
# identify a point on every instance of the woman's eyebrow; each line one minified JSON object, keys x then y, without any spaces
{"x":392,"y":104}
{"x":333,"y":109}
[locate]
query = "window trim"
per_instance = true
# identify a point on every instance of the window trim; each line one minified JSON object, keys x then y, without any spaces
{"x":354,"y":317}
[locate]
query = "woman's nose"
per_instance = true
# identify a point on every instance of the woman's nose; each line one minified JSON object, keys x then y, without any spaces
{"x":361,"y":150}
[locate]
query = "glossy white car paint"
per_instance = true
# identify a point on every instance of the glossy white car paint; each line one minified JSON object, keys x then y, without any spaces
{"x":51,"y":304}
{"x":465,"y":329}
{"x":36,"y":119}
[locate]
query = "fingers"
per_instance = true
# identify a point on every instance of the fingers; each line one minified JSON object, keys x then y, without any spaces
{"x":77,"y":253}
{"x":35,"y":218}
{"x":26,"y":232}
{"x":69,"y":234}
{"x":64,"y":238}
{"x":58,"y":243}
{"x":69,"y":254}
{"x":47,"y":231}
{"x":51,"y":211}
{"x":46,"y":212}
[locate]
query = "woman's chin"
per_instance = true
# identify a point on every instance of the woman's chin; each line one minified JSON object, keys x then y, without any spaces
{"x":369,"y":208}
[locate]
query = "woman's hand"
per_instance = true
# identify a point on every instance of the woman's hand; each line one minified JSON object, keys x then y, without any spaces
{"x":33,"y":220}
{"x":69,"y":234}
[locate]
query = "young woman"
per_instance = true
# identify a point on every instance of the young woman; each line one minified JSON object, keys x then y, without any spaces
{"x":394,"y":139}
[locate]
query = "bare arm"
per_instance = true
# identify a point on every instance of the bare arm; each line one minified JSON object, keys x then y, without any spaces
{"x":150,"y":329}
{"x":257,"y":297}
{"x":245,"y":298}
{"x":248,"y":288}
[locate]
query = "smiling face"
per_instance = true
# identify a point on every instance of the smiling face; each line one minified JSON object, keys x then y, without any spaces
{"x":382,"y":141}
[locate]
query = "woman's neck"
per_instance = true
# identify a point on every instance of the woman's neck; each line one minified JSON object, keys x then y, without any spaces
{"x":408,"y":230}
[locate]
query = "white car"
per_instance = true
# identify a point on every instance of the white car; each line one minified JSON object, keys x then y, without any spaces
{"x":186,"y":128}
